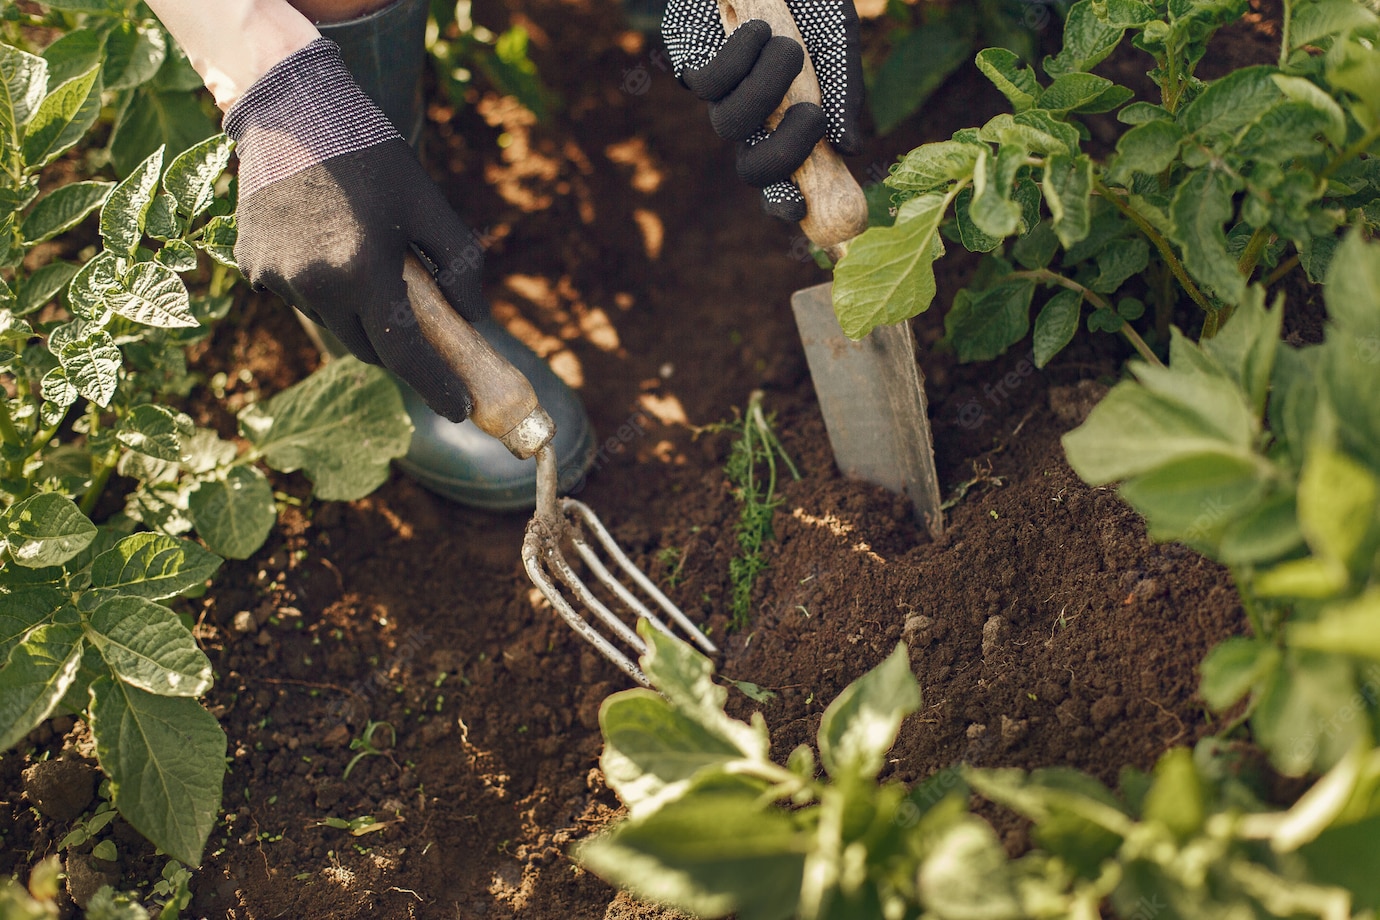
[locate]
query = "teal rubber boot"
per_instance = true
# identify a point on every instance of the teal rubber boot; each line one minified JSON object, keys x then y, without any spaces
{"x":385,"y":51}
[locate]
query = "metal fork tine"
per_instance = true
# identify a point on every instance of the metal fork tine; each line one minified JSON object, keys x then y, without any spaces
{"x":605,"y":539}
{"x":607,"y":579}
{"x":586,"y":597}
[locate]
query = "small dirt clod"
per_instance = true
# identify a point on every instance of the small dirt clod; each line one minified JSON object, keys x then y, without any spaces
{"x":61,"y":789}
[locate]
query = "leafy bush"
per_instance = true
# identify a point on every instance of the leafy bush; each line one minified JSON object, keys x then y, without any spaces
{"x":92,"y":356}
{"x":1207,"y":185}
{"x":714,"y":827}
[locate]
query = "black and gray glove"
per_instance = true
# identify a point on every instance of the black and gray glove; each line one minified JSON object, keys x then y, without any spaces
{"x":331,"y":199}
{"x":744,"y":77}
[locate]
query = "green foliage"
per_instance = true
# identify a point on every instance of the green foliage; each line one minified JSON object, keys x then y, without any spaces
{"x":714,"y":827}
{"x":92,"y":364}
{"x":1209,"y":183}
{"x":755,"y":446}
{"x":1266,"y":457}
{"x":459,"y":47}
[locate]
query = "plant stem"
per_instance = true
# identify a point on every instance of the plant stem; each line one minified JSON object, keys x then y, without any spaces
{"x":1097,"y":300}
{"x":1251,"y":254}
{"x":98,"y":481}
{"x":1284,"y":42}
{"x":1159,"y":243}
{"x":8,"y":433}
{"x":1283,"y":269}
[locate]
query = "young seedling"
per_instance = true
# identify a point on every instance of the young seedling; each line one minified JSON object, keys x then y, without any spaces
{"x":364,"y":744}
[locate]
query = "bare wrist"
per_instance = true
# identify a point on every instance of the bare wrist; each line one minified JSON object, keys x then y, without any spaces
{"x":330,"y":11}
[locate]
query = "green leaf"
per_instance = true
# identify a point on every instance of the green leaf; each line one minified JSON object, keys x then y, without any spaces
{"x":713,"y":852}
{"x":1331,"y":860}
{"x":1150,"y":149}
{"x":23,"y":79}
{"x":993,"y":211}
{"x":155,"y":430}
{"x":1308,"y":92}
{"x":1352,"y":291}
{"x":122,"y":217}
{"x":1231,"y":103}
{"x":179,"y":256}
{"x":174,"y":120}
{"x":1192,"y":499}
{"x":973,"y":239}
{"x":1016,"y":81}
{"x":1075,"y":817}
{"x":73,"y":54}
{"x":1117,"y":262}
{"x":1200,"y":210}
{"x":966,"y":875}
{"x":165,"y":757}
{"x":191,"y":179}
{"x":343,"y":425}
{"x":1177,"y":799}
{"x":1246,"y":347}
{"x":1075,"y":92}
{"x":148,"y":647}
{"x":161,"y":222}
{"x":1321,"y":19}
{"x":218,"y":240}
{"x":46,"y":529}
{"x":1347,"y":628}
{"x":1056,"y":324}
{"x":93,"y":363}
{"x":860,"y":725}
{"x":1296,"y":712}
{"x":1234,"y":668}
{"x":1067,"y":185}
{"x":935,"y":165}
{"x":42,"y":286}
{"x":62,"y":209}
{"x":37,"y":675}
{"x":1037,"y":248}
{"x":58,"y":389}
{"x":982,"y":325}
{"x":154,"y":295}
{"x":917,"y":66}
{"x":1264,"y":534}
{"x":234,"y":514}
{"x":1087,"y":40}
{"x":134,"y":51}
{"x":888,"y":274}
{"x":1033,"y":131}
{"x":87,"y":291}
{"x":1140,"y":113}
{"x":65,"y":115}
{"x":153,"y":566}
{"x":22,"y":607}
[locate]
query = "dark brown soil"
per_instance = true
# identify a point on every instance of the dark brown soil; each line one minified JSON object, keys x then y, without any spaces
{"x":1044,"y":627}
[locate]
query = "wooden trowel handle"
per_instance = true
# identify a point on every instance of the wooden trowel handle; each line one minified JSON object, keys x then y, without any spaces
{"x":505,"y":405}
{"x":837,"y":208}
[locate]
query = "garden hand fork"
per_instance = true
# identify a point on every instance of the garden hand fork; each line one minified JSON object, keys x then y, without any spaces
{"x":505,"y":406}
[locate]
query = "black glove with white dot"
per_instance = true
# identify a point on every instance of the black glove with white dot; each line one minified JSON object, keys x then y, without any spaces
{"x":744,"y":77}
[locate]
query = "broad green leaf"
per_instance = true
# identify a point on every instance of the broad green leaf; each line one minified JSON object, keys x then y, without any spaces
{"x":1296,"y":712}
{"x":1331,"y":860}
{"x":23,"y":80}
{"x":1264,"y":534}
{"x":174,"y":120}
{"x":715,"y":851}
{"x":1034,"y":131}
{"x":992,"y":210}
{"x":1308,"y":92}
{"x":23,"y":607}
{"x":218,"y":240}
{"x":888,"y":274}
{"x":935,"y":165}
{"x":1200,"y":386}
{"x":1126,"y":14}
{"x":1037,"y":248}
{"x":973,"y":239}
{"x":1192,"y":499}
{"x":148,"y":647}
{"x":165,"y":757}
{"x":1289,"y":131}
{"x":1200,"y":210}
{"x":1321,"y":19}
{"x":179,"y":256}
{"x":1233,"y":668}
{"x":1246,"y":347}
{"x":342,"y":426}
{"x":1140,"y":113}
{"x":1067,"y":185}
{"x":1352,"y":291}
{"x":191,"y":178}
{"x":122,"y":216}
{"x":966,"y":875}
{"x":1231,"y":103}
{"x":65,"y":115}
{"x":72,"y":55}
{"x":1357,"y":71}
{"x":46,"y":529}
{"x":1118,"y":262}
{"x":42,"y":286}
{"x":158,"y":431}
{"x":154,"y":566}
{"x":161,"y":222}
{"x":58,"y":389}
{"x":1016,"y":81}
{"x":1056,"y":324}
{"x":89,"y":286}
{"x":92,"y":363}
{"x":234,"y":514}
{"x":652,"y":751}
{"x":154,"y":295}
{"x":982,"y":325}
{"x":916,"y":67}
{"x":37,"y":675}
{"x":1347,"y":628}
{"x":1177,"y":799}
{"x":1087,"y":40}
{"x":1149,"y":148}
{"x":1074,"y":92}
{"x":62,"y":209}
{"x":134,"y":51}
{"x":860,"y":725}
{"x":1075,"y":816}
{"x":204,"y":451}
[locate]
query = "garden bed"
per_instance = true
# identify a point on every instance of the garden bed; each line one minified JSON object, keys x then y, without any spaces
{"x":1044,"y":628}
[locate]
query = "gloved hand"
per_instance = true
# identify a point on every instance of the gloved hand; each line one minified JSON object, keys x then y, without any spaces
{"x":330,"y":200}
{"x":744,"y":77}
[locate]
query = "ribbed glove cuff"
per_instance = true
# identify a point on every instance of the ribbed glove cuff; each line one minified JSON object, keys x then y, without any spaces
{"x":304,"y":111}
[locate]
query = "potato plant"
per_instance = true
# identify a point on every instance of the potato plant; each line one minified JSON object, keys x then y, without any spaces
{"x":92,"y":364}
{"x":1212,"y":184}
